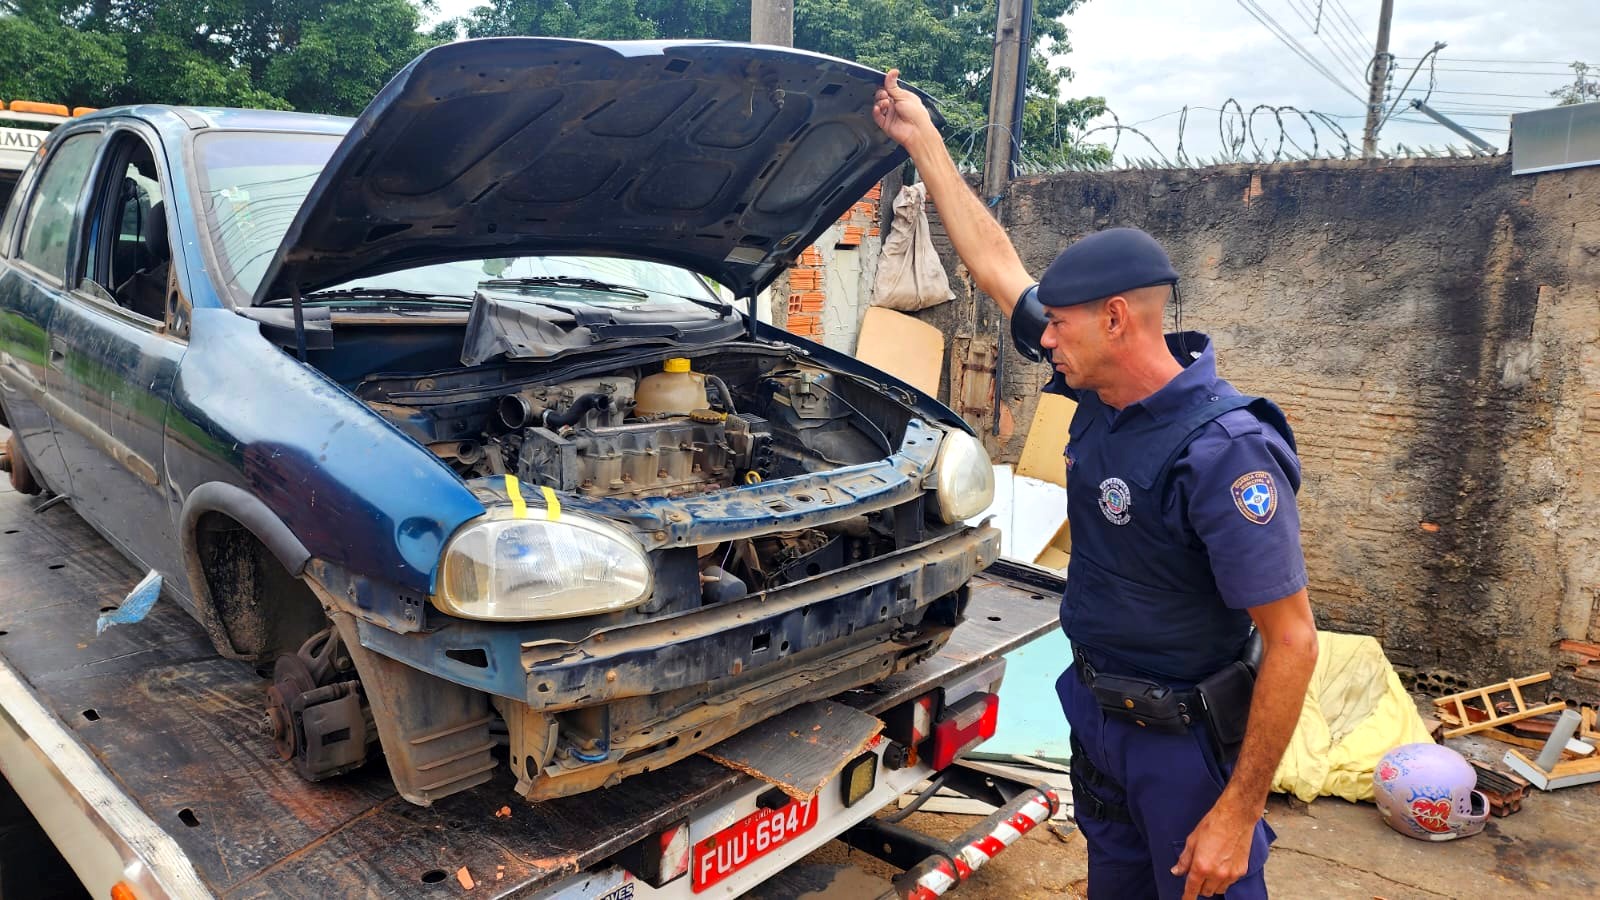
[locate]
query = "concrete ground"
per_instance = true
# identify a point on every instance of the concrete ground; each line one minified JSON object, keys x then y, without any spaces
{"x":1334,"y":849}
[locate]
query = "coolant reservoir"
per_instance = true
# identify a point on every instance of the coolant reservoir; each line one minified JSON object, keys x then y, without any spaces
{"x":674,"y":391}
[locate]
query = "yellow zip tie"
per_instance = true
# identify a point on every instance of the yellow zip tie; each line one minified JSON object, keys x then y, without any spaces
{"x":519,"y":506}
{"x":552,"y":504}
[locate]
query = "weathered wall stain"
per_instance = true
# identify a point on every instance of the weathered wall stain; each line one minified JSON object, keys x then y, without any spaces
{"x":1432,"y":328}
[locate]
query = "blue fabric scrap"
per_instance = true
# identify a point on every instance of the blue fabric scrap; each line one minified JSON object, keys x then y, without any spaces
{"x":135,"y":606}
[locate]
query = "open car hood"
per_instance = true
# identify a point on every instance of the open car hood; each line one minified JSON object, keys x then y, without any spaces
{"x":726,"y":159}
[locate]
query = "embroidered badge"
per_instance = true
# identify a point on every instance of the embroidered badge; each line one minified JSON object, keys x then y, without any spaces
{"x":1256,"y":496}
{"x":1115,"y":499}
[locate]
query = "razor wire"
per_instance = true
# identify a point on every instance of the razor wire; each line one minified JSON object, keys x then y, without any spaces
{"x":1265,"y":133}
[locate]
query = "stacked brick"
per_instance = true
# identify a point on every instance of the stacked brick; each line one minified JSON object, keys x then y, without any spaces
{"x":807,"y":298}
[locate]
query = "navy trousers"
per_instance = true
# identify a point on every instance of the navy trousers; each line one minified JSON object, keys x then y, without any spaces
{"x":1169,"y":782}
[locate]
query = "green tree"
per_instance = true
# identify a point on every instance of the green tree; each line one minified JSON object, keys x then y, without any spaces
{"x":42,"y":60}
{"x":943,"y":47}
{"x":341,"y":60}
{"x":1585,"y":86}
{"x":314,"y":55}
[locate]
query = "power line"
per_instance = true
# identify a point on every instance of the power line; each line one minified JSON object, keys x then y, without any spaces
{"x":1353,"y":37}
{"x":1507,"y":72}
{"x":1509,"y":62}
{"x":1339,"y":53}
{"x":1487,"y":94}
{"x":1264,"y":17}
{"x":1349,"y":22}
{"x":1478,"y":115}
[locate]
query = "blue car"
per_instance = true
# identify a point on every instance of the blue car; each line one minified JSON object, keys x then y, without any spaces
{"x":440,"y":418}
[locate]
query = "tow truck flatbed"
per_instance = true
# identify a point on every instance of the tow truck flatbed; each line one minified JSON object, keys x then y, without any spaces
{"x":163,"y":754}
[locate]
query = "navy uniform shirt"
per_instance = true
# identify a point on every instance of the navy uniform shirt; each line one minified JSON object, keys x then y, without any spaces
{"x":1229,"y":493}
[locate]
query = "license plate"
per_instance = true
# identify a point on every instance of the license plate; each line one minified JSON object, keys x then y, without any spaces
{"x":749,"y":839}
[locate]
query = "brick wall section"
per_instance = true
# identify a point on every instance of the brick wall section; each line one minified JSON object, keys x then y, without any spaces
{"x":1432,"y":329}
{"x":807,"y":303}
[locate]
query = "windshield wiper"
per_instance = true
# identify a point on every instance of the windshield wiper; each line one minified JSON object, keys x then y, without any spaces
{"x":583,"y":284}
{"x":377,"y":293}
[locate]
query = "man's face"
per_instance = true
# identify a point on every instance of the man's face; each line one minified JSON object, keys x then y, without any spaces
{"x":1073,"y":337}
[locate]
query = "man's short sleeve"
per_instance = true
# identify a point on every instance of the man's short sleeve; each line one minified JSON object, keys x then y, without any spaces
{"x":1237,"y":481}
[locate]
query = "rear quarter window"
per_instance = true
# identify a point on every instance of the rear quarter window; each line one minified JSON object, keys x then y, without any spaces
{"x":47,"y":228}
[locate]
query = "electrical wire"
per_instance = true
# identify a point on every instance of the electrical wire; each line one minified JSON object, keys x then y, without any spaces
{"x":1506,"y":72}
{"x":1428,"y":57}
{"x":1343,"y":15}
{"x":1513,"y":62}
{"x":1338,"y":50}
{"x":887,"y":446}
{"x":1488,"y":94}
{"x":1278,"y":31}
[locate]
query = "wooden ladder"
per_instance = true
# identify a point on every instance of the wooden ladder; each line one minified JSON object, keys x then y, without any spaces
{"x":1455,"y":706}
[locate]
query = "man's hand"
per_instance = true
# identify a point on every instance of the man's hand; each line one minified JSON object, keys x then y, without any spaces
{"x":977,"y":237}
{"x":901,"y":114}
{"x":1218,"y":850}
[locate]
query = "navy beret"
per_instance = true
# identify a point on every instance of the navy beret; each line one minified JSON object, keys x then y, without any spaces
{"x":1105,"y":263}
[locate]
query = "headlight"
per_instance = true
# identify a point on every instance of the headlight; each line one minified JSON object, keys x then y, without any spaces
{"x":964,"y":483}
{"x":505,"y":569}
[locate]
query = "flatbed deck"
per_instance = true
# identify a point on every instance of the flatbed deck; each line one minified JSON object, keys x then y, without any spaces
{"x":177,"y":730}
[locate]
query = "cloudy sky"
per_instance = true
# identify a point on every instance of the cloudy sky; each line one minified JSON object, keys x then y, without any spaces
{"x":1150,"y":58}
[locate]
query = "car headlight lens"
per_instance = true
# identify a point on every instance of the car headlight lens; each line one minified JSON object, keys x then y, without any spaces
{"x":506,"y":569}
{"x":964,"y":483}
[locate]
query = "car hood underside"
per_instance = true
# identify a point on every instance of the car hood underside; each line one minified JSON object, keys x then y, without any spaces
{"x":727,"y":159}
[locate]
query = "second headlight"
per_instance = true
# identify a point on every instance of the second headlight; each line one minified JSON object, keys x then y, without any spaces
{"x":507,"y":569}
{"x":964,"y":481}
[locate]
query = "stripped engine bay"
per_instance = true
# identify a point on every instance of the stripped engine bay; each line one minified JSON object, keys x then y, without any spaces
{"x":753,"y":476}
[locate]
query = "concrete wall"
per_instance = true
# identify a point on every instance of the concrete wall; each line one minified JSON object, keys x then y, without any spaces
{"x":1432,"y":328}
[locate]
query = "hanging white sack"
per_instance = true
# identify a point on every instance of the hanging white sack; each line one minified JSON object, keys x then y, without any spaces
{"x":910,"y":276}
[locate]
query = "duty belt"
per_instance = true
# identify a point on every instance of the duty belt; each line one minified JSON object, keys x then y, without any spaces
{"x":1146,"y":703}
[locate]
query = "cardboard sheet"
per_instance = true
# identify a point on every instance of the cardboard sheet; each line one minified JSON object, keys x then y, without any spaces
{"x":802,"y":749}
{"x":904,"y":346}
{"x":1041,"y":453}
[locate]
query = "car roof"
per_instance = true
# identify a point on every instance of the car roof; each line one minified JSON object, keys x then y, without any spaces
{"x":221,"y":117}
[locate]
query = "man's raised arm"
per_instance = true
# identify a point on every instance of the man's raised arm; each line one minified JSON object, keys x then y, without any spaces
{"x":979,"y":240}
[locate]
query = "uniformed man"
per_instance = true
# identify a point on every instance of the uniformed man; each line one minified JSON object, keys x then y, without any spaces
{"x":1181,"y":498}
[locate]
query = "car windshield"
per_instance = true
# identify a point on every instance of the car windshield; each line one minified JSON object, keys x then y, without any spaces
{"x":252,"y":184}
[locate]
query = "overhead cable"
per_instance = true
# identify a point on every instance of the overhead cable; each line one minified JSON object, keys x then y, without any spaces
{"x":1262,"y":16}
{"x":1338,"y":50}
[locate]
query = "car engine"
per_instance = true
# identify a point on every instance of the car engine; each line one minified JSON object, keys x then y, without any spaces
{"x":578,"y":437}
{"x":603,"y":436}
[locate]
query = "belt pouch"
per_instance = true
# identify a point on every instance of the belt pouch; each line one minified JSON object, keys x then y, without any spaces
{"x":1225,"y":700}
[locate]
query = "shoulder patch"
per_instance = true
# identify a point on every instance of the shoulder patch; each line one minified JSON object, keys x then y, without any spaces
{"x":1256,"y":495}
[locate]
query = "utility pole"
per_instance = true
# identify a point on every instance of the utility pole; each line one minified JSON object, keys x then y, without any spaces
{"x":1003,"y":87}
{"x":1451,"y":124}
{"x":772,"y":22}
{"x":1380,"y":77}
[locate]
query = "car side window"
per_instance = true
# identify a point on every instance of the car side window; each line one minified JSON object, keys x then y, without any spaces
{"x":136,"y":265}
{"x":47,"y":230}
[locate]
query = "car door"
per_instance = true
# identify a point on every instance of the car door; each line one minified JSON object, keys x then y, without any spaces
{"x":113,"y":356}
{"x":43,"y":225}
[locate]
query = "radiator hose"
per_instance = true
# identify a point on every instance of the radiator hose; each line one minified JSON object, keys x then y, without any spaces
{"x":579,"y":408}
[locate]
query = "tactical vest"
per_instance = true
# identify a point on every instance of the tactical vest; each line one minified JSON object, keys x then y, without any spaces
{"x":1140,"y":594}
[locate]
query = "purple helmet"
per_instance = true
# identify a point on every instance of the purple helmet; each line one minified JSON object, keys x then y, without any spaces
{"x":1428,"y":792}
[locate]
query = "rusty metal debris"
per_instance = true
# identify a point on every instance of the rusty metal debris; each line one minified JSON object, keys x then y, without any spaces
{"x":1505,"y":792}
